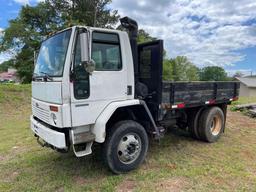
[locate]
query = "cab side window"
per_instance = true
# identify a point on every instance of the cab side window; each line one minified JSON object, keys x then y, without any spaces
{"x":81,"y":76}
{"x":106,"y":51}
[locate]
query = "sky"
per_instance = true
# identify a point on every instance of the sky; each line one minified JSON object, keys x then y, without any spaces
{"x":219,"y":32}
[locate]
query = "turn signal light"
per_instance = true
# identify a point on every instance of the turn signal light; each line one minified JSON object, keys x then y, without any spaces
{"x":54,"y":108}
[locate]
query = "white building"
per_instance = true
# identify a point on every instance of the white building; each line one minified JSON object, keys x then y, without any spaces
{"x":247,"y":86}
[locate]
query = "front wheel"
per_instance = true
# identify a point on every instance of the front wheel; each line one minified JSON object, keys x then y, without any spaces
{"x":125,"y":147}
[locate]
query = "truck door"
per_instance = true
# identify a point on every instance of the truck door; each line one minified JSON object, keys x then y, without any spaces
{"x":91,"y":93}
{"x":150,"y":57}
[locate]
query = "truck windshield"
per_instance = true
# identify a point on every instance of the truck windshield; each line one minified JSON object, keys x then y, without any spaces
{"x":52,"y":54}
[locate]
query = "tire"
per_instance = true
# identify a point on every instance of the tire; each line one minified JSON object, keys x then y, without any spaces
{"x":211,"y":124}
{"x":193,"y":123}
{"x":125,"y":147}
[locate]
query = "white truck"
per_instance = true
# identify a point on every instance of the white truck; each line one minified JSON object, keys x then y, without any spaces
{"x":97,"y":85}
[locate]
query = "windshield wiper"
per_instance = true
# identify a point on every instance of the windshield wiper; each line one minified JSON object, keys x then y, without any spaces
{"x":36,"y":76}
{"x":46,"y":76}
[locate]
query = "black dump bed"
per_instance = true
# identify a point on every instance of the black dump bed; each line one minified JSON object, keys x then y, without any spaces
{"x":191,"y":94}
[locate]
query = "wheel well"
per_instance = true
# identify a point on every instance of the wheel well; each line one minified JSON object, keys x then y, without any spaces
{"x":136,"y":113}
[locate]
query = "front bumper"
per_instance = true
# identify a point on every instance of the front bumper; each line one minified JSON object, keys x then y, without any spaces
{"x":52,"y":137}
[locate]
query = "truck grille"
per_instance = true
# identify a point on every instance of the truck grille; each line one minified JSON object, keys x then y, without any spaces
{"x":41,"y":113}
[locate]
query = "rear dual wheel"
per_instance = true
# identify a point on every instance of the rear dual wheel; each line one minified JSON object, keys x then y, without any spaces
{"x":211,"y":124}
{"x":207,"y":124}
{"x":193,"y":120}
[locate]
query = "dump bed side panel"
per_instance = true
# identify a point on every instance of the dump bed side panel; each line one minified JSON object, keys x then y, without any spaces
{"x":197,"y":93}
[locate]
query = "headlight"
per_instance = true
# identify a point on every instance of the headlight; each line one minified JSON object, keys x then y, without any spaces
{"x":54,"y":118}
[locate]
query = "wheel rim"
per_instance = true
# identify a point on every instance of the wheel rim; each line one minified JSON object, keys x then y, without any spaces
{"x":129,"y":148}
{"x":216,"y":125}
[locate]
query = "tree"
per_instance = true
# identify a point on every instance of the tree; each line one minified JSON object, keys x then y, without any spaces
{"x":6,"y":65}
{"x":86,"y":12}
{"x":180,"y":69}
{"x":168,"y":69}
{"x":143,"y":37}
{"x":25,"y":33}
{"x":213,"y":73}
{"x":24,"y":65}
{"x":238,"y":74}
{"x":33,"y":24}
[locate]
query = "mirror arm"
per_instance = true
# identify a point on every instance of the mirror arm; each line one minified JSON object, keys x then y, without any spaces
{"x":72,"y":76}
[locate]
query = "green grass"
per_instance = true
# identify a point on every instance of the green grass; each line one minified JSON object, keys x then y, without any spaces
{"x":242,"y":100}
{"x":177,"y":163}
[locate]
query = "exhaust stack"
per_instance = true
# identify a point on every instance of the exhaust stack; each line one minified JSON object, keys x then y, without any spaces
{"x":132,"y":26}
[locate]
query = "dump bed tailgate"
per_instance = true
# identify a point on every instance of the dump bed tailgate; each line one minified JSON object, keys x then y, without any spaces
{"x":197,"y":93}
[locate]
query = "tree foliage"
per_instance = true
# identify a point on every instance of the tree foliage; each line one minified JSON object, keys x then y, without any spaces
{"x":5,"y":65}
{"x":143,"y":37}
{"x":213,"y":73}
{"x":33,"y":24}
{"x":86,"y":12}
{"x":180,"y":69}
{"x":238,"y":74}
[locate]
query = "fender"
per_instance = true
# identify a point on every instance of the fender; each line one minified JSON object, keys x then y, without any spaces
{"x":99,"y":128}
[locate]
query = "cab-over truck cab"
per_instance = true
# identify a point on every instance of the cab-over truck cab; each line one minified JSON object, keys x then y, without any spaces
{"x":97,"y":85}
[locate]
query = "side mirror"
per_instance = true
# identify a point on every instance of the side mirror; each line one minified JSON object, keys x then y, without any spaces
{"x":89,"y":66}
{"x":84,"y":44}
{"x":86,"y":61}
